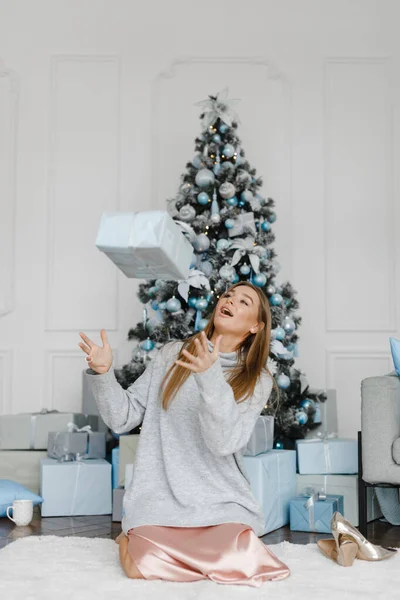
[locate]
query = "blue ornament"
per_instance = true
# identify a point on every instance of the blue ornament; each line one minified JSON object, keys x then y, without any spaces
{"x":272,"y":217}
{"x":194,"y":262}
{"x":226,"y":165}
{"x":246,"y":196}
{"x":155,"y":305}
{"x":203,"y":198}
{"x":245,"y":269}
{"x":223,"y":128}
{"x":241,"y":203}
{"x":201,"y":304}
{"x":289,"y":325}
{"x":283,"y":381}
{"x":153,"y":291}
{"x":307,"y":403}
{"x":276,"y":299}
{"x":147,"y":345}
{"x":259,"y":280}
{"x":198,"y":161}
{"x":265,"y":226}
{"x":228,"y":150}
{"x":173,"y":305}
{"x":204,"y":178}
{"x":238,"y":159}
{"x":232,"y":201}
{"x":301,"y":417}
{"x":279,"y":445}
{"x":235,"y":279}
{"x":216,"y":138}
{"x":287,"y":302}
{"x":229,"y":223}
{"x":162,"y":305}
{"x":278,"y":333}
{"x":192,"y":302}
{"x":202,"y":324}
{"x":222,"y":244}
{"x":206,"y":267}
{"x":217,"y":169}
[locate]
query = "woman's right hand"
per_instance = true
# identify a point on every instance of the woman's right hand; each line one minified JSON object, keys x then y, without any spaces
{"x":99,"y":359}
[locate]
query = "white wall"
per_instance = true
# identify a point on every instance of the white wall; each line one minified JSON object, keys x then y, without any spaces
{"x":97,"y":113}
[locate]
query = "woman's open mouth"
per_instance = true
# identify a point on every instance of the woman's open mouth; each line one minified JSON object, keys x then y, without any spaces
{"x":225,"y":312}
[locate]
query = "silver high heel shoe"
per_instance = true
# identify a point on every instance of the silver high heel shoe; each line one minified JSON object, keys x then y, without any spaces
{"x":343,"y":530}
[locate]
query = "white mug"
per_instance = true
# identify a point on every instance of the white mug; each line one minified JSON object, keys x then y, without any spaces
{"x":22,"y":512}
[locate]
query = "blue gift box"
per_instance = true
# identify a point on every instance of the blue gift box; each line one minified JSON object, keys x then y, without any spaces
{"x":272,"y":478}
{"x":327,"y":456}
{"x":115,"y":466}
{"x":313,"y":512}
{"x":80,"y":487}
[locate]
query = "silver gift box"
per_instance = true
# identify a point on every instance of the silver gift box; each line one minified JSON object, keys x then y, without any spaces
{"x":262,"y":438}
{"x":83,"y":444}
{"x":30,"y":431}
{"x":145,"y":245}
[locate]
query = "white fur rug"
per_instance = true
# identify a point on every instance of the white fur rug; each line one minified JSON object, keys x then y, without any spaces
{"x":58,"y":568}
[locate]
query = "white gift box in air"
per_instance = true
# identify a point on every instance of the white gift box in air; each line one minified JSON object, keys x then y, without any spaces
{"x":145,"y":245}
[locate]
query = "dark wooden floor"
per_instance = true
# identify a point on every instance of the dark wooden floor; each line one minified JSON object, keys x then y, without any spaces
{"x":102,"y":526}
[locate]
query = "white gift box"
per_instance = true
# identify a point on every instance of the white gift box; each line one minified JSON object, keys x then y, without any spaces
{"x":128,"y":475}
{"x":118,"y":496}
{"x":145,"y":245}
{"x":127,"y":453}
{"x":30,"y":431}
{"x":22,"y":466}
{"x":343,"y":485}
{"x":262,"y":438}
{"x":80,"y":487}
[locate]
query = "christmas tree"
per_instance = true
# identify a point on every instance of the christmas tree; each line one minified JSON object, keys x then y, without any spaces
{"x":220,"y":209}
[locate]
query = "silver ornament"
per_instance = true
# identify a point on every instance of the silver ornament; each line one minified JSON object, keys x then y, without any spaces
{"x":215,"y":218}
{"x":227,"y":273}
{"x":204,"y":178}
{"x":187,"y":213}
{"x":227,"y":190}
{"x":201,"y":243}
{"x":271,"y":289}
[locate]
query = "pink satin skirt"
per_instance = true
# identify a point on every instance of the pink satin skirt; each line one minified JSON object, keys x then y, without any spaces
{"x":229,"y":553}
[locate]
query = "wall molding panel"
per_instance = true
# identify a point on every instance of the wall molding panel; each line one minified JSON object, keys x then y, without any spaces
{"x":6,"y":370}
{"x":83,"y":182}
{"x":9,"y":103}
{"x":359,"y":207}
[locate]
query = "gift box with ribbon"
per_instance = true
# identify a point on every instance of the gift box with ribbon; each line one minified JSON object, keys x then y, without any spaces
{"x":262,"y":438}
{"x":77,"y":442}
{"x":313,"y":511}
{"x":272,"y":477}
{"x":342,"y":485}
{"x":327,"y":454}
{"x":29,"y":431}
{"x":79,"y":487}
{"x":145,"y":245}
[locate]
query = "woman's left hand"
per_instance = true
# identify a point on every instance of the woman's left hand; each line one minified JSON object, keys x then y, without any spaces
{"x":205,"y":358}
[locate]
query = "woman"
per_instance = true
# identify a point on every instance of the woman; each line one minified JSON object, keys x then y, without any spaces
{"x":189,"y":513}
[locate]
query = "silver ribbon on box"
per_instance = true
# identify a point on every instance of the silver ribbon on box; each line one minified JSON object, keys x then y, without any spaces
{"x":309,"y":505}
{"x":71,"y":456}
{"x":324,"y":437}
{"x":44,"y":411}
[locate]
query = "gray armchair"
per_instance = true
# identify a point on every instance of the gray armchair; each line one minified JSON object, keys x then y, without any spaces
{"x":379,"y":440}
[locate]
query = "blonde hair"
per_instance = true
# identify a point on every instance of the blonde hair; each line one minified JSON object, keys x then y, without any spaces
{"x":253,"y":354}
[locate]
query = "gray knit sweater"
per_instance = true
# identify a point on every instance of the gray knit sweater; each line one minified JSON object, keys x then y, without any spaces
{"x":188,"y":470}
